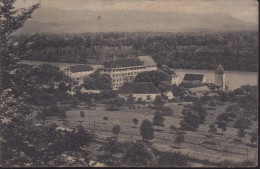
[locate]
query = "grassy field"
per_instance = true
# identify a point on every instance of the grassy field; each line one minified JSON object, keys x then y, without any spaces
{"x":164,"y":139}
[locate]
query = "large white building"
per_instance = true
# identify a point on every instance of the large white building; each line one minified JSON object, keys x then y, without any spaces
{"x":125,"y":70}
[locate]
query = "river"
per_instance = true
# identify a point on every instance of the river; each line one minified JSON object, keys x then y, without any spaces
{"x":234,"y":79}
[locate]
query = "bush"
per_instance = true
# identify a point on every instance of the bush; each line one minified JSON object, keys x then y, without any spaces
{"x":242,"y":123}
{"x":112,"y":108}
{"x":169,"y":159}
{"x":167,"y":111}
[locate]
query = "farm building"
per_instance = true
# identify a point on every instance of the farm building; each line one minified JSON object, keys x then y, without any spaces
{"x":125,"y":70}
{"x":144,"y":90}
{"x":169,"y":94}
{"x":199,"y":91}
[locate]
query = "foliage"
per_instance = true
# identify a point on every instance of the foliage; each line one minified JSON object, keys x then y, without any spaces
{"x":116,"y":129}
{"x":97,"y":82}
{"x":158,"y":119}
{"x":242,"y":123}
{"x":241,"y":133}
{"x":111,"y":146}
{"x":167,"y":111}
{"x":212,"y":129}
{"x":146,"y":130}
{"x":137,"y":154}
{"x":170,"y":159}
{"x":226,"y":117}
{"x":62,"y":114}
{"x":135,"y":120}
{"x":253,"y":137}
{"x":179,"y":137}
{"x":164,"y":86}
{"x":82,"y":114}
{"x":173,"y":128}
{"x":222,"y":125}
{"x":155,"y":76}
{"x":169,"y":49}
{"x":105,"y":118}
{"x":158,"y":102}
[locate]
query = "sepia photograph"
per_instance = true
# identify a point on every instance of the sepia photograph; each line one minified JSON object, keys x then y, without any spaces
{"x":129,"y":83}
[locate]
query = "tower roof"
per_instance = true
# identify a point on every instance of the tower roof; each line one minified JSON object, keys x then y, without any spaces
{"x":220,"y":70}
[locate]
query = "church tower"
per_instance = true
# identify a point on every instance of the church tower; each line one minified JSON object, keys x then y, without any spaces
{"x":220,"y":77}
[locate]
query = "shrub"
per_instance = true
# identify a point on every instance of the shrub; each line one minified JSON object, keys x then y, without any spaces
{"x":169,"y":159}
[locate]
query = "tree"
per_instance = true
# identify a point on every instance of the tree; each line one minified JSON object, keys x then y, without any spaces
{"x":242,"y":123}
{"x":62,"y":114}
{"x":223,"y":96}
{"x":131,"y":98}
{"x":167,"y":111}
{"x":158,"y":119}
{"x":105,"y":118}
{"x":155,"y":76}
{"x":158,"y":102}
{"x":82,"y":114}
{"x":179,"y":137}
{"x":173,"y":128}
{"x":99,"y":82}
{"x":13,"y":123}
{"x":222,"y":125}
{"x":137,"y":154}
{"x":116,"y":129}
{"x":212,"y":129}
{"x":41,"y":116}
{"x":135,"y":120}
{"x":212,"y":104}
{"x":241,"y":133}
{"x":146,"y":130}
{"x":111,"y":146}
{"x":253,"y":137}
{"x":232,"y":109}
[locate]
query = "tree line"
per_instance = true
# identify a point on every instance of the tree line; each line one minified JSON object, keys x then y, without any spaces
{"x":177,"y":50}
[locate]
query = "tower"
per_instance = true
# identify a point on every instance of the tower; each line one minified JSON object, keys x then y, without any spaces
{"x":220,"y":77}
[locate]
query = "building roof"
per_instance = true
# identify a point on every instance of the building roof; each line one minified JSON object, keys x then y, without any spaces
{"x":220,"y":70}
{"x":138,"y":88}
{"x":147,"y":60}
{"x":127,"y":62}
{"x":193,"y":77}
{"x":80,"y":68}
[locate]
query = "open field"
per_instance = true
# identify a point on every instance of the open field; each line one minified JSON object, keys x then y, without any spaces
{"x":164,"y":139}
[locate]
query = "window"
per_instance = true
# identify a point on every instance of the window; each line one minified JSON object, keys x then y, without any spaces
{"x":105,"y":70}
{"x":113,"y":75}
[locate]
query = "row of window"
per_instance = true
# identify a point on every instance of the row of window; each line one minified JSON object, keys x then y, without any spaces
{"x":118,"y":80}
{"x":117,"y":84}
{"x":125,"y":74}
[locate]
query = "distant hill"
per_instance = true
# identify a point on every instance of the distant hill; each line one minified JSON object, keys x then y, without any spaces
{"x":77,"y":21}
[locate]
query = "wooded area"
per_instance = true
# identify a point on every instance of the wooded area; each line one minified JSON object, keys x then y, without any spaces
{"x":235,"y":51}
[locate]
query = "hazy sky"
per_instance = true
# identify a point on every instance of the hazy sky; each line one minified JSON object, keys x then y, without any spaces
{"x":246,"y":10}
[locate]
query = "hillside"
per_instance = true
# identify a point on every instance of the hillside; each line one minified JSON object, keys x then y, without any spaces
{"x":79,"y":21}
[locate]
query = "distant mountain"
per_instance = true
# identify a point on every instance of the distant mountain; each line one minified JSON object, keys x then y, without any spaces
{"x":77,"y":21}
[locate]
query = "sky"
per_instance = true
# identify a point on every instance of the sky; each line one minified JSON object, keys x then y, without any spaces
{"x":246,"y":10}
